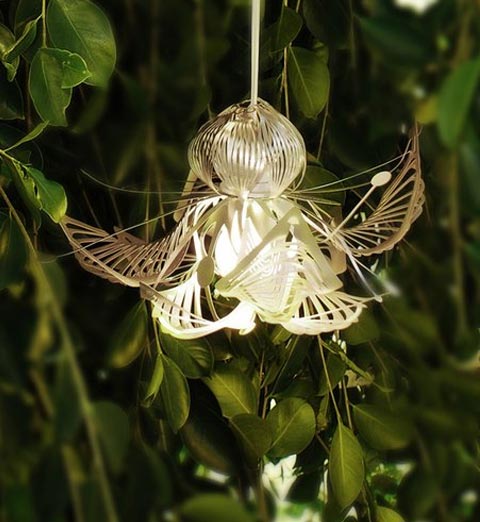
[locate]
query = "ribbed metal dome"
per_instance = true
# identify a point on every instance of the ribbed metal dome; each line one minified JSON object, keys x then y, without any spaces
{"x":248,"y":150}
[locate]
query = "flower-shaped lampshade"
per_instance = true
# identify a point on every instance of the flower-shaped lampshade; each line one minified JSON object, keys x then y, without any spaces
{"x":248,"y":151}
{"x":249,"y":243}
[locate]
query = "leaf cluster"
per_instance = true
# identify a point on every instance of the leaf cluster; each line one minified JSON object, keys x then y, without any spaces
{"x":105,"y":417}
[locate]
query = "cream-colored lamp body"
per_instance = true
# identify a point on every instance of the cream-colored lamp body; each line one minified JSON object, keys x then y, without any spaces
{"x":249,"y":244}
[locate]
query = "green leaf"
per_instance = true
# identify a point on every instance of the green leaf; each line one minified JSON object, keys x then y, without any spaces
{"x":395,"y":41}
{"x":50,"y":195}
{"x":314,"y":18}
{"x":322,"y":414}
{"x":329,"y":185}
{"x":75,"y":69}
{"x":92,"y":113}
{"x":207,"y":436}
{"x":284,"y":30}
{"x":52,"y":75}
{"x":293,"y":355}
{"x":23,"y":42}
{"x":25,"y":153}
{"x":130,"y":337}
{"x":366,"y":329}
{"x":426,"y":110}
{"x":292,"y":422}
{"x":388,"y":515}
{"x":155,"y":381}
{"x":299,"y":387}
{"x":329,"y":22}
{"x":382,"y":429}
{"x":82,"y":27}
{"x":345,"y":466}
{"x":213,"y":507}
{"x":26,"y":188}
{"x":34,"y":133}
{"x":194,"y":357}
{"x":57,"y":279}
{"x":26,"y":10}
{"x":470,"y":162}
{"x":18,"y":503}
{"x":11,"y":99}
{"x":7,"y":39}
{"x":66,"y":404}
{"x":13,"y":253}
{"x":336,"y":370}
{"x":418,"y":493}
{"x":455,"y":99}
{"x":305,"y":488}
{"x":175,"y":394}
{"x":45,"y":86}
{"x":309,"y":80}
{"x":233,"y":390}
{"x":253,"y":434}
{"x":114,"y":432}
{"x":312,"y":458}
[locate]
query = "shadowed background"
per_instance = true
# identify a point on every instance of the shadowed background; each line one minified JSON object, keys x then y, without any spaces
{"x":85,"y":426}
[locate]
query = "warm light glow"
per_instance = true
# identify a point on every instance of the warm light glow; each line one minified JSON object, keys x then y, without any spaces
{"x":252,"y":249}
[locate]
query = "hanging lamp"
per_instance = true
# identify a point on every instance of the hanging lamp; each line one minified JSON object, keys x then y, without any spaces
{"x":249,"y":244}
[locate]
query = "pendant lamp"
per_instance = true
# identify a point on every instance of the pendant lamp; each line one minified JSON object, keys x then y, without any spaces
{"x":249,"y":243}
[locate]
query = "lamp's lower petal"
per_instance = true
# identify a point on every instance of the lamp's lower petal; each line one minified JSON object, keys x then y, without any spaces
{"x":326,"y":313}
{"x":180,"y":311}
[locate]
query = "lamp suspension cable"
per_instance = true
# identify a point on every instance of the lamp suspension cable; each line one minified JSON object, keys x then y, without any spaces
{"x":255,"y":51}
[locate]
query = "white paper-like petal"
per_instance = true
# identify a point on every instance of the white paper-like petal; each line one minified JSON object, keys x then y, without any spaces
{"x":283,"y":270}
{"x":325,"y":313}
{"x":126,"y":259}
{"x":384,"y":224}
{"x":180,"y":312}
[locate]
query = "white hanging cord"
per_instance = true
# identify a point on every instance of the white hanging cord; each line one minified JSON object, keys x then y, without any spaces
{"x":255,"y":51}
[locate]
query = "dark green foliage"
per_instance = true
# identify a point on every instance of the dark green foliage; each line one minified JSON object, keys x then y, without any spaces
{"x":102,"y":415}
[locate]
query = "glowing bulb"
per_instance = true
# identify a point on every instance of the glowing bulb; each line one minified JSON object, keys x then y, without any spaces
{"x":226,"y":257}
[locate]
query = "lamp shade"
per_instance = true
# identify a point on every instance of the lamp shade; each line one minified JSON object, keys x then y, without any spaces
{"x":248,"y":151}
{"x":250,"y":244}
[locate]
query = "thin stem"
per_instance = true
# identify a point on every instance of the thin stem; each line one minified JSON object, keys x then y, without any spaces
{"x":347,"y":405}
{"x":44,"y":23}
{"x":353,"y":53}
{"x":324,"y":446}
{"x":456,"y":237}
{"x":67,"y":452}
{"x":73,"y":482}
{"x":201,"y":40}
{"x":7,"y":156}
{"x":255,"y":51}
{"x":262,"y":504}
{"x":324,"y":127}
{"x":285,"y":82}
{"x":96,"y":146}
{"x":327,"y":377}
{"x":69,"y":352}
{"x":151,"y":152}
{"x":157,"y":338}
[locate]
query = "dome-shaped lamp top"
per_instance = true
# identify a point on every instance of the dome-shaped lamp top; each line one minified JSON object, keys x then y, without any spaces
{"x":248,"y":151}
